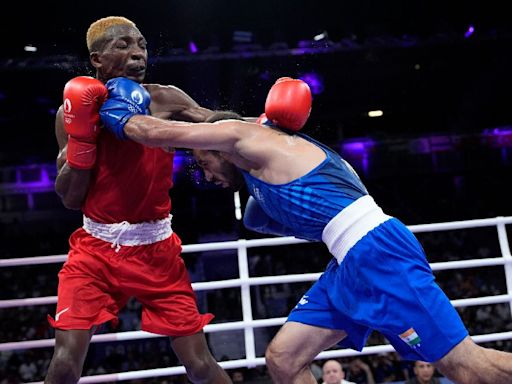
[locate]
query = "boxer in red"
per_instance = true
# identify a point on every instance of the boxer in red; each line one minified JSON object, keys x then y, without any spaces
{"x":126,"y":246}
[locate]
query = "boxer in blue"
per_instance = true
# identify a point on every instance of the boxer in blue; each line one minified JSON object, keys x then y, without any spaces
{"x":379,"y":278}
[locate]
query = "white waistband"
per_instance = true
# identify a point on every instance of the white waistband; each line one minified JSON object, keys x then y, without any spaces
{"x":128,"y":234}
{"x":351,"y":224}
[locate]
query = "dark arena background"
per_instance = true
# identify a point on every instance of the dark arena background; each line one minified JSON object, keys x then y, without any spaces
{"x":416,"y":95}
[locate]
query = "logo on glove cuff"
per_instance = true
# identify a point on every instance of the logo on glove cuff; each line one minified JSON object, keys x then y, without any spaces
{"x":67,"y":105}
{"x":137,"y":97}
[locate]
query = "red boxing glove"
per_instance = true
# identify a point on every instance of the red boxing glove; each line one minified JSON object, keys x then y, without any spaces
{"x":83,"y":97}
{"x":288,"y":103}
{"x":283,"y":79}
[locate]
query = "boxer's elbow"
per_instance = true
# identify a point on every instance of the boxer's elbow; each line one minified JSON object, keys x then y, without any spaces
{"x":71,"y":203}
{"x":72,"y":186}
{"x":69,"y":198}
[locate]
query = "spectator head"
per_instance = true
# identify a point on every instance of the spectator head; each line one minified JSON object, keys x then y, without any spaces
{"x":332,"y":372}
{"x":424,"y":371}
{"x":237,"y":377}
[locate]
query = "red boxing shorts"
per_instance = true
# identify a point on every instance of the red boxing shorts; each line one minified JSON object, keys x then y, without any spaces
{"x":96,"y":282}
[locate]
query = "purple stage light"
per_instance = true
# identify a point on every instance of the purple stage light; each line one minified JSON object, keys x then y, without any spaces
{"x":180,"y":160}
{"x":192,"y":47}
{"x":498,"y":137}
{"x":30,"y":179}
{"x":469,"y":32}
{"x":357,"y":152}
{"x":315,"y":82}
{"x":357,"y":147}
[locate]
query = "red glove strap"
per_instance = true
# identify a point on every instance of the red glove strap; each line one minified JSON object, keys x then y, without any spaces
{"x":80,"y":154}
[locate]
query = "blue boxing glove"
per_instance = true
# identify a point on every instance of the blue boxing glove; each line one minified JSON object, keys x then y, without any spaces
{"x":125,"y":99}
{"x":257,"y":220}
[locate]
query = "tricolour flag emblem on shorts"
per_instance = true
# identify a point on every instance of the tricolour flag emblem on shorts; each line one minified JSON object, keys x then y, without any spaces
{"x":411,"y":338}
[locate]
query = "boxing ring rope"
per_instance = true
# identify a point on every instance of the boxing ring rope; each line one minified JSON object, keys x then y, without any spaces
{"x":245,"y":282}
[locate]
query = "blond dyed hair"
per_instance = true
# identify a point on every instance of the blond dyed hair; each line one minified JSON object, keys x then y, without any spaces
{"x":98,"y":28}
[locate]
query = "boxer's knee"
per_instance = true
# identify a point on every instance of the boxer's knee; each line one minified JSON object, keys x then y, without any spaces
{"x":63,"y":369}
{"x":279,"y":360}
{"x":69,"y":356}
{"x":203,"y":369}
{"x":198,"y":369}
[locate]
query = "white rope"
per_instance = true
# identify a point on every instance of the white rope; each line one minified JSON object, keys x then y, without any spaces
{"x":463,"y":224}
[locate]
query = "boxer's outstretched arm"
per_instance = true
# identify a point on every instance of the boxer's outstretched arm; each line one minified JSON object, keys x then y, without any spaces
{"x":221,"y":136}
{"x":126,"y":117}
{"x":71,"y":184}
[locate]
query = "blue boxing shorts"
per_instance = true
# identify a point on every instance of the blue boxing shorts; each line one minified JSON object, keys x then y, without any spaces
{"x":385,"y":284}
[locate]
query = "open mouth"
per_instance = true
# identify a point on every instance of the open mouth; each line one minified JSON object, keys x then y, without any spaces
{"x":137,"y":71}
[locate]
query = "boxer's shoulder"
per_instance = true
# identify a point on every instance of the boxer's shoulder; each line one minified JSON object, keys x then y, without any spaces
{"x":165,"y":92}
{"x":168,"y":99}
